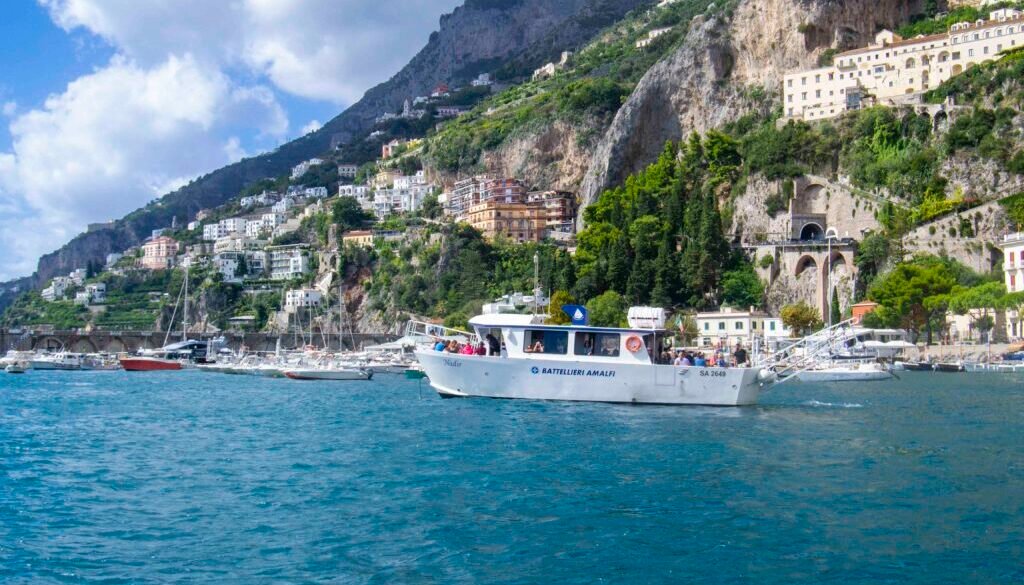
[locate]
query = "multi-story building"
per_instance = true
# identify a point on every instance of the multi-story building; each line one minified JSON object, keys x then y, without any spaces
{"x":393,"y":148}
{"x":466,"y":194}
{"x":347,"y":170}
{"x":1013,"y":274}
{"x":234,"y":225}
{"x":57,"y":289}
{"x":78,"y":276}
{"x":303,"y":167}
{"x":728,"y":326}
{"x":559,"y":211}
{"x":359,"y":192}
{"x":284,"y":205}
{"x":302,"y":298}
{"x":213,"y":231}
{"x":314,"y":192}
{"x":237,"y":243}
{"x":193,"y":225}
{"x":893,"y":67}
{"x":521,"y":222}
{"x":159,"y":253}
{"x":287,"y":262}
{"x":358,"y":238}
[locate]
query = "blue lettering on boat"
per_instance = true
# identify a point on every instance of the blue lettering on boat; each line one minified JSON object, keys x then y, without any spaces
{"x":452,"y":363}
{"x":579,"y":373}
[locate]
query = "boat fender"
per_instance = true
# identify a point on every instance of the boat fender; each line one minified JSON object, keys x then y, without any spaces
{"x":633,"y":344}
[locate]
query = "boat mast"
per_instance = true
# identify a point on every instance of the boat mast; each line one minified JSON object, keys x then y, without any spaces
{"x":184,"y":316}
{"x":536,"y":282}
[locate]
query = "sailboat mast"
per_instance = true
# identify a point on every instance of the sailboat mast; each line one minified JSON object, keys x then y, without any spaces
{"x":184,"y":317}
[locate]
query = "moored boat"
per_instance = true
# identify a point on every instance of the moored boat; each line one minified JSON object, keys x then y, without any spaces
{"x":845,"y":373}
{"x":18,"y":367}
{"x":334,"y":374}
{"x":176,"y":356}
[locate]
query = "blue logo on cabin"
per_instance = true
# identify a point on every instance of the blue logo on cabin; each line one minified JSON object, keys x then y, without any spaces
{"x":577,"y":313}
{"x":534,"y":370}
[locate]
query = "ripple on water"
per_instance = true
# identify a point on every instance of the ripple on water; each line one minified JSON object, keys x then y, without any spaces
{"x":194,"y":477}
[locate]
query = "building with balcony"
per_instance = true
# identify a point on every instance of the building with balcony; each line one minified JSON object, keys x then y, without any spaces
{"x":302,"y":298}
{"x":287,"y":262}
{"x":520,"y":222}
{"x":159,"y":253}
{"x":892,"y":68}
{"x":729,"y":326}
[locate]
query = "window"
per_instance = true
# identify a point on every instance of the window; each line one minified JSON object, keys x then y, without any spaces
{"x":739,"y":326}
{"x":541,"y":341}
{"x":956,"y":55}
{"x":771,"y":326}
{"x":721,"y":325}
{"x":707,"y":326}
{"x":789,"y":83}
{"x":1013,"y":281}
{"x":599,"y":344}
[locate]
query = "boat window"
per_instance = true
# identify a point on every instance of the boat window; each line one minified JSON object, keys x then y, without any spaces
{"x":599,"y":344}
{"x":539,"y":341}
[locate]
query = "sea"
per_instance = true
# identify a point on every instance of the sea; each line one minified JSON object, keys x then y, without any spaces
{"x":189,"y":477}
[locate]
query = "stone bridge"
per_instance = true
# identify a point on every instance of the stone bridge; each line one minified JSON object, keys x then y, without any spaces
{"x":130,"y":341}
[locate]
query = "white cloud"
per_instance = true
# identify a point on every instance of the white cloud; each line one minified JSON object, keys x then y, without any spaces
{"x":9,"y":109}
{"x":114,"y":140}
{"x":311,"y":127}
{"x":322,"y":49}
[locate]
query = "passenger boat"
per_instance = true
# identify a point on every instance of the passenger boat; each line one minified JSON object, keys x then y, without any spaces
{"x":582,"y":363}
{"x":62,"y":361}
{"x":850,"y":372}
{"x":176,"y":356}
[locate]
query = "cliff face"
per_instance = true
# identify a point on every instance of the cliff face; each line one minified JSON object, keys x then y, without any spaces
{"x":706,"y":81}
{"x":480,"y":36}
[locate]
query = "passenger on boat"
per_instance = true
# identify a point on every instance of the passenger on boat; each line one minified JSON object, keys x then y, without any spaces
{"x":440,"y":346}
{"x":453,"y":346}
{"x":467,"y":349}
{"x":588,"y":345}
{"x":537,"y":347}
{"x":699,"y":361}
{"x":608,"y":347}
{"x":480,"y":349}
{"x":493,"y":344}
{"x":678,"y":361}
{"x":740,"y":355}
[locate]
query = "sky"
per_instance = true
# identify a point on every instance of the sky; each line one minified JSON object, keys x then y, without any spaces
{"x":107,"y":104}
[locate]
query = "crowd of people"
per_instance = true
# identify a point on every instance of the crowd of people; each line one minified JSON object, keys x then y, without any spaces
{"x":718,"y":358}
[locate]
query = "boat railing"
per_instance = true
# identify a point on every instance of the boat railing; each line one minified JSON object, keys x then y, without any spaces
{"x":433,"y":330}
{"x":808,"y":352}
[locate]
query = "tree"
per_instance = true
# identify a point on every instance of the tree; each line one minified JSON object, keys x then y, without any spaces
{"x":556,"y":316}
{"x":741,"y":287}
{"x":801,"y":318}
{"x":914,"y":294}
{"x":835,"y":314}
{"x":348,"y":214}
{"x":607,"y":310}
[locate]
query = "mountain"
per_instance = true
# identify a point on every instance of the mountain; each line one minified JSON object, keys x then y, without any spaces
{"x":513,"y":36}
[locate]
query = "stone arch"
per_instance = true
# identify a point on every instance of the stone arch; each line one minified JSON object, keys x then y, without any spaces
{"x":811,"y":199}
{"x":812,"y":232}
{"x":925,"y":60}
{"x":806,"y":261}
{"x":924,"y":79}
{"x":958,"y":69}
{"x":115,"y":346}
{"x":911,"y":63}
{"x":943,"y":56}
{"x":940,"y":121}
{"x":48,"y":343}
{"x":82,"y":345}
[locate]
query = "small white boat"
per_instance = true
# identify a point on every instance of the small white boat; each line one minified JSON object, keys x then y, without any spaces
{"x":845,"y":373}
{"x":18,"y":367}
{"x":328,"y":374}
{"x":60,"y":361}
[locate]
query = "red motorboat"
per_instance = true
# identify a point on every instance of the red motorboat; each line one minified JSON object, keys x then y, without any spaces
{"x":148,"y":364}
{"x":176,"y":356}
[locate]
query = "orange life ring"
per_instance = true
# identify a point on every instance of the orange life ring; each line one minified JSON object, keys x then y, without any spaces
{"x":633,"y":344}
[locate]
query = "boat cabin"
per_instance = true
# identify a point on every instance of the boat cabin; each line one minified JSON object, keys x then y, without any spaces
{"x":519,"y":337}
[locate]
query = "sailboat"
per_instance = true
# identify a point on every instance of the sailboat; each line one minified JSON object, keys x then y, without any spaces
{"x":176,"y":356}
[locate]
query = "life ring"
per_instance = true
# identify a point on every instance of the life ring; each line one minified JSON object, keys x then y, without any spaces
{"x":633,"y":344}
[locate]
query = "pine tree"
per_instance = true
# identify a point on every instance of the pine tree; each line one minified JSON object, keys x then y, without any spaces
{"x":835,"y":314}
{"x":666,"y":273}
{"x":618,"y":259}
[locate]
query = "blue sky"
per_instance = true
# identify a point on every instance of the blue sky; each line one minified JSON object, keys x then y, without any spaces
{"x":108,"y":104}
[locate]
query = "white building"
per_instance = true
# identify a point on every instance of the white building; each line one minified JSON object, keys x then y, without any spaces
{"x":234,"y":225}
{"x":287,"y":262}
{"x":94,"y":294}
{"x":303,"y":167}
{"x":729,"y":326}
{"x":193,"y":225}
{"x":284,"y":205}
{"x":264,"y":198}
{"x":213,"y":231}
{"x":314,"y":192}
{"x":893,"y":68}
{"x":482,"y":80}
{"x":1013,"y":274}
{"x":237,"y":243}
{"x":360,"y":192}
{"x":57,"y":289}
{"x":78,"y":275}
{"x":300,"y":298}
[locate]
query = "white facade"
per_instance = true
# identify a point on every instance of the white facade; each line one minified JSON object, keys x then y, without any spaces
{"x":284,"y":205}
{"x":300,"y":298}
{"x":893,"y":67}
{"x":1013,"y":275}
{"x":213,"y":231}
{"x":193,"y":225}
{"x":78,"y":276}
{"x":347,"y":171}
{"x":287,"y":262}
{"x":57,"y":289}
{"x":730,"y":326}
{"x":314,"y":192}
{"x":301,"y":168}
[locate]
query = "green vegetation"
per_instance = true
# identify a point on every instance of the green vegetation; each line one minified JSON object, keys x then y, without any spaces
{"x":593,"y":87}
{"x":32,"y":310}
{"x":800,"y":318}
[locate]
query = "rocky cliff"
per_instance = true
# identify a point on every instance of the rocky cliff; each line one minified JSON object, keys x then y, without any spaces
{"x":711,"y":77}
{"x":482,"y":35}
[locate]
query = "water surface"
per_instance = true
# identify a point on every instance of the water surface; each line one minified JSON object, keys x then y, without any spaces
{"x":192,"y":477}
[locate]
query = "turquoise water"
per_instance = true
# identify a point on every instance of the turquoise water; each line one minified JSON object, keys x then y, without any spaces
{"x":190,"y":477}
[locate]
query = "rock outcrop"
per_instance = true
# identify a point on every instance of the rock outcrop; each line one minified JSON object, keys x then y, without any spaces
{"x":708,"y":80}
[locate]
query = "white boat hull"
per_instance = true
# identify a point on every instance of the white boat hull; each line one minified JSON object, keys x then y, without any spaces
{"x":334,"y":375}
{"x":843,"y":375}
{"x":455,"y":375}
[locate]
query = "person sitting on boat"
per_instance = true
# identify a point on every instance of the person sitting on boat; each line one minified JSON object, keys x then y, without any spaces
{"x":467,"y":349}
{"x":480,"y":349}
{"x":680,"y":359}
{"x":699,"y":361}
{"x":453,"y":346}
{"x":608,"y":347}
{"x":537,"y":347}
{"x":588,"y":345}
{"x":440,"y":346}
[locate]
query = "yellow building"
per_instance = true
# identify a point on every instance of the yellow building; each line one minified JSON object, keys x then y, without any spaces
{"x":893,"y":67}
{"x":358,"y":238}
{"x":517,"y":221}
